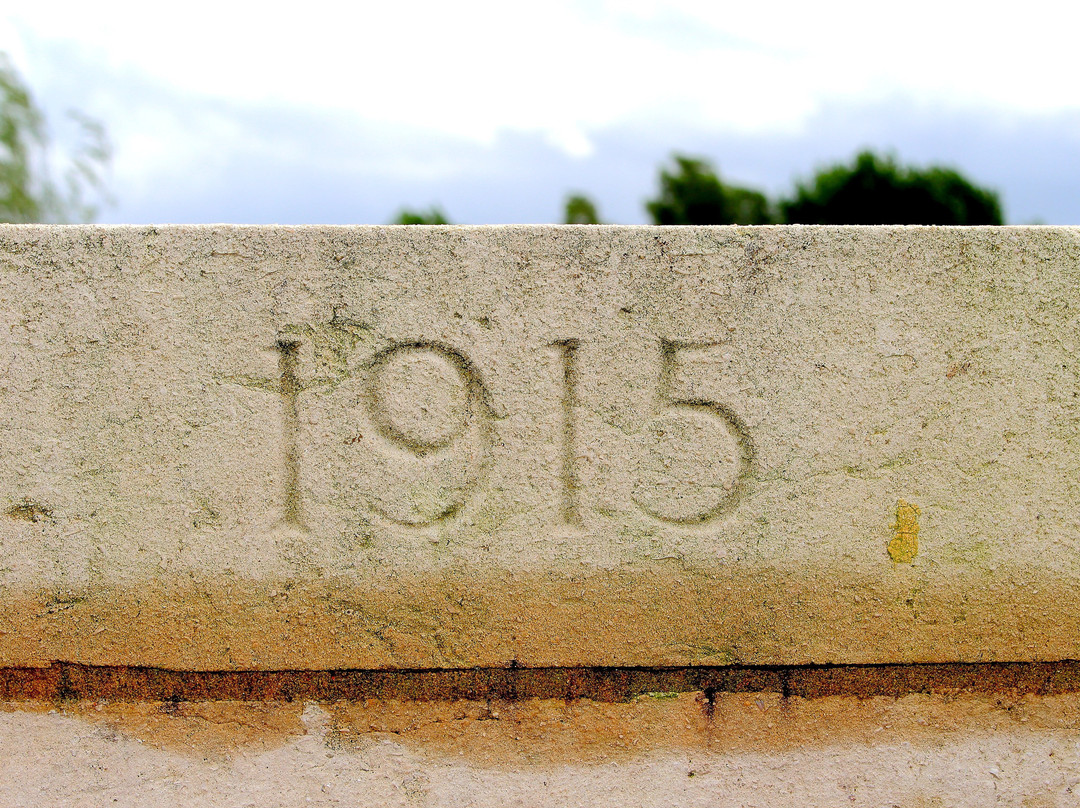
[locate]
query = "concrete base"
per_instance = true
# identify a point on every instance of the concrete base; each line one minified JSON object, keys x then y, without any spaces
{"x":744,"y":749}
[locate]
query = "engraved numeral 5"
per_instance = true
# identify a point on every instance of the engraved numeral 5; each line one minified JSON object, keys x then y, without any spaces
{"x":696,"y":462}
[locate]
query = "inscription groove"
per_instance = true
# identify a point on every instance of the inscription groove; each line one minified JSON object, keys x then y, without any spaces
{"x":434,"y":382}
{"x":570,"y":508}
{"x":672,"y":487}
{"x":422,"y":403}
{"x":451,"y":386}
{"x":288,"y":360}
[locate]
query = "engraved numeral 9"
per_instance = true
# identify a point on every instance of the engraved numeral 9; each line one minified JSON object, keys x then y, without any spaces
{"x":428,"y":403}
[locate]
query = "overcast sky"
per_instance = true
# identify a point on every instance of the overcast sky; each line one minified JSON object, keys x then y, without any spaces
{"x":495,"y":110}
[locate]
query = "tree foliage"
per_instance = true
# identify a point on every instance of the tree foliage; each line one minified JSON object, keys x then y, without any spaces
{"x":875,"y":190}
{"x":29,"y":190}
{"x":432,"y":215}
{"x":871,"y":189}
{"x":692,"y":193}
{"x":581,"y":210}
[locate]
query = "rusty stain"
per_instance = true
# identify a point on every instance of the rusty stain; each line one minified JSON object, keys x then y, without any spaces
{"x":542,"y":732}
{"x":905,"y":542}
{"x":30,"y":511}
{"x":66,"y":682}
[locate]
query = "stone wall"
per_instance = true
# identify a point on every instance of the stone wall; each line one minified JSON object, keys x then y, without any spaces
{"x":539,"y":514}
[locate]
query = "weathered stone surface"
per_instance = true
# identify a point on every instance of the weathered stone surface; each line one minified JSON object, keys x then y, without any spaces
{"x":406,"y":447}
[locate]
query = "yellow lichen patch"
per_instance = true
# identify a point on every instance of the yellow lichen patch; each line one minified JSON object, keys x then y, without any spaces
{"x":905,"y":541}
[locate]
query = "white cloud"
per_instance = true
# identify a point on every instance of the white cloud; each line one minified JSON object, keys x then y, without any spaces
{"x":566,"y":69}
{"x":377,"y":102}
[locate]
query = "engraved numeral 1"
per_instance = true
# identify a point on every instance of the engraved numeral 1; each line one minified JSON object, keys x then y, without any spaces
{"x":288,"y":348}
{"x":570,"y":508}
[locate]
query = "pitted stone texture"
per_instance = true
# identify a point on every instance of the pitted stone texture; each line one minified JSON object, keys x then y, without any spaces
{"x":282,"y":448}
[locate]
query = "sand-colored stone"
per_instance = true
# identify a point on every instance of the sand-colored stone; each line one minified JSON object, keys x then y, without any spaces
{"x":287,"y":448}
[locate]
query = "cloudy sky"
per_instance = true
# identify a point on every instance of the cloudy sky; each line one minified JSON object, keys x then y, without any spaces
{"x":496,"y":110}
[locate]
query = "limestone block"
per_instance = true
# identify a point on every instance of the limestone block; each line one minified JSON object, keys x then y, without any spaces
{"x":384,"y":447}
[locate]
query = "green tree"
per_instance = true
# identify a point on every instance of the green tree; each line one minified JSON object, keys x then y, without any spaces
{"x":581,"y":210}
{"x":693,"y":193}
{"x":432,"y":215}
{"x":29,"y":191}
{"x":875,"y":190}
